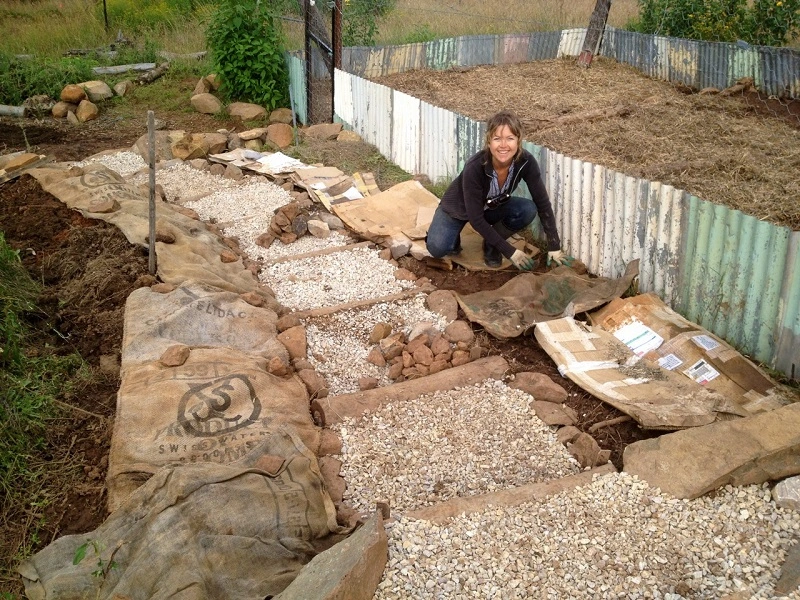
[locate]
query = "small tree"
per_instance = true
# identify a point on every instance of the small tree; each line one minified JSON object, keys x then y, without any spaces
{"x":247,"y":50}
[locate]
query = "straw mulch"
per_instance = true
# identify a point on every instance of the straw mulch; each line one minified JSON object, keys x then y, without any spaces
{"x":742,"y":150}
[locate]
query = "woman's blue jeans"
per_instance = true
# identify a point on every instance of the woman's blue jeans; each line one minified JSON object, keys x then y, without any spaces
{"x":444,"y":231}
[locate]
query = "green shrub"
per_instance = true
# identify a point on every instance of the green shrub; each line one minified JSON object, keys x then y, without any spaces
{"x":21,"y":78}
{"x":137,"y":15}
{"x":765,"y":22}
{"x":247,"y":49}
{"x":360,"y":20}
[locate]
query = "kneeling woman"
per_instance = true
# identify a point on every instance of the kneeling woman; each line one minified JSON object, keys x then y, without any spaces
{"x":481,"y":195}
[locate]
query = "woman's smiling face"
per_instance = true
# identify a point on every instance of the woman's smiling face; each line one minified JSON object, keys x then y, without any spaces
{"x":503,"y":146}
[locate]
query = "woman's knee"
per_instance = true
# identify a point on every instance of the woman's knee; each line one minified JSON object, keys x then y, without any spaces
{"x":437,"y":247}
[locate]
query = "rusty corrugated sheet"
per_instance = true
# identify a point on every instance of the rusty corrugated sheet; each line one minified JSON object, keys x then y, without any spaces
{"x":470,"y":136}
{"x":441,"y":54}
{"x":683,"y":61}
{"x":438,"y":147}
{"x":512,"y":48}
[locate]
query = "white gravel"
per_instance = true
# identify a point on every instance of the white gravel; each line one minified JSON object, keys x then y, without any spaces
{"x":182,"y":182}
{"x":439,"y":446}
{"x":125,"y":163}
{"x":338,"y":344}
{"x":614,"y":538}
{"x":320,"y":281}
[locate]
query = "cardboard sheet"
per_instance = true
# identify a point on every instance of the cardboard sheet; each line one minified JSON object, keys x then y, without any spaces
{"x":531,"y":298}
{"x":603,"y":365}
{"x":663,"y":337}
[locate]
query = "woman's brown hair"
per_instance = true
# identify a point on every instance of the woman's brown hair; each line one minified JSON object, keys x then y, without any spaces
{"x":496,"y":121}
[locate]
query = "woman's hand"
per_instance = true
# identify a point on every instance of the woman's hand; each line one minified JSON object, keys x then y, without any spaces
{"x":522,"y":261}
{"x":558,"y":257}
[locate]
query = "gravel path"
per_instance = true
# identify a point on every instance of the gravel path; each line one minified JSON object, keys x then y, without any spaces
{"x":615,"y":538}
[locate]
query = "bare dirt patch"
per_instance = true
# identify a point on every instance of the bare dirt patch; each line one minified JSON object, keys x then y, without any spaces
{"x":742,"y":151}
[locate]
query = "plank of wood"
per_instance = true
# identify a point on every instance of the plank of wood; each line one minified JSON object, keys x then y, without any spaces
{"x":329,"y":310}
{"x":324,"y":252}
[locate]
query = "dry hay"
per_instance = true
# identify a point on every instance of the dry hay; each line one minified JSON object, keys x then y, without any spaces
{"x":718,"y":148}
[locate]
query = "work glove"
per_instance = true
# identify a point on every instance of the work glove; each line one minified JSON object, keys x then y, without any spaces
{"x":559,"y":258}
{"x":522,"y":261}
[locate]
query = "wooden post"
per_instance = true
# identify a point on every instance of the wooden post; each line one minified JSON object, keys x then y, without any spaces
{"x":594,"y":32}
{"x":151,"y":141}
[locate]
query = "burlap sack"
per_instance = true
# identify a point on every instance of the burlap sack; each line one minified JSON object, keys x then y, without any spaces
{"x":196,"y":315}
{"x":194,"y":532}
{"x":214,"y":408}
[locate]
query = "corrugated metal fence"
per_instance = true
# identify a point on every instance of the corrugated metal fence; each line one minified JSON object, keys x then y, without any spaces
{"x":735,"y":275}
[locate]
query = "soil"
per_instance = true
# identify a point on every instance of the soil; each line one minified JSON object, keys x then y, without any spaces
{"x":741,"y":150}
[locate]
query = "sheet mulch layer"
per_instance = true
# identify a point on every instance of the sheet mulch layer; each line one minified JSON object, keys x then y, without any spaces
{"x":742,"y":151}
{"x":88,"y":269}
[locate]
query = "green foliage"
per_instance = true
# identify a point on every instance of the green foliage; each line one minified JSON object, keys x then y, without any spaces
{"x":103,"y":566}
{"x":21,"y":78}
{"x":420,"y":33}
{"x":360,"y":20}
{"x":18,"y":294}
{"x":140,"y":15}
{"x":247,"y":50}
{"x":762,"y":22}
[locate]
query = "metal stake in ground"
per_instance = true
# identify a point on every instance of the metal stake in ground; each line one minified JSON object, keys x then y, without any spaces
{"x":151,"y":142}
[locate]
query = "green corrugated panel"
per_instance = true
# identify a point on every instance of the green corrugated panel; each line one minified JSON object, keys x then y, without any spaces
{"x":469,"y":138}
{"x":745,"y":62}
{"x":732,"y":274}
{"x":441,"y":54}
{"x":297,"y":85}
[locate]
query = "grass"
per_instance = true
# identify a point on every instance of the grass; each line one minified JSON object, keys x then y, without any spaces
{"x":29,"y":388}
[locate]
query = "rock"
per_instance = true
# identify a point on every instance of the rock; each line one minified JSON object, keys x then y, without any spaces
{"x":277,"y":367}
{"x":252,"y":299}
{"x":367,"y":383}
{"x":332,"y":221}
{"x":206,"y":103}
{"x":443,"y":302}
{"x":459,"y":331}
{"x":439,"y":345}
{"x":423,"y":356}
{"x":540,"y":386}
{"x":175,"y":355}
{"x":475,"y":352}
{"x":439,"y":365}
{"x":460,"y":357}
{"x":567,"y":434}
{"x":395,"y":370}
{"x":392,"y":346}
{"x":323,"y":131}
{"x":259,"y":133}
{"x":228,"y":256}
{"x":265,"y":239}
{"x":402,"y":274}
{"x":787,"y":493}
{"x":163,"y":288}
{"x":202,"y":87}
{"x":97,"y":91}
{"x":350,"y":569}
{"x":123,"y":88}
{"x":330,"y":468}
{"x":103,"y":205}
{"x":217,"y":169}
{"x":319,"y":229}
{"x":551,"y":413}
{"x":281,"y":115}
{"x":586,"y":451}
{"x":399,"y":247}
{"x":287,"y":322}
{"x":744,"y":451}
{"x":73,"y":94}
{"x":315,"y":384}
{"x":375,"y":357}
{"x":280,"y":134}
{"x":38,"y":105}
{"x":348,"y":136}
{"x":424,"y":329}
{"x":164,"y":141}
{"x":246,"y":111}
{"x":295,"y":341}
{"x":87,"y":111}
{"x":329,"y":443}
{"x":60,"y":109}
{"x":789,"y":579}
{"x":201,"y":164}
{"x":73,"y":120}
{"x":233,"y":172}
{"x":408,"y":360}
{"x":234,"y":141}
{"x":380,"y":331}
{"x":214,"y":81}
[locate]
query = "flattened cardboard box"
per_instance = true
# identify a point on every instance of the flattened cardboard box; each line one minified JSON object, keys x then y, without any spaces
{"x":601,"y":364}
{"x":682,"y":347}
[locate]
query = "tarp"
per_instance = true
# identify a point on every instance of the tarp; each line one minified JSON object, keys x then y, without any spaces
{"x":531,"y":298}
{"x":193,"y":532}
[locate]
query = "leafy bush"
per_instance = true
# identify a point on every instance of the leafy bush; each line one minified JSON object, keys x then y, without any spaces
{"x":360,"y":20}
{"x":21,"y":78}
{"x":765,"y":22}
{"x":247,"y":50}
